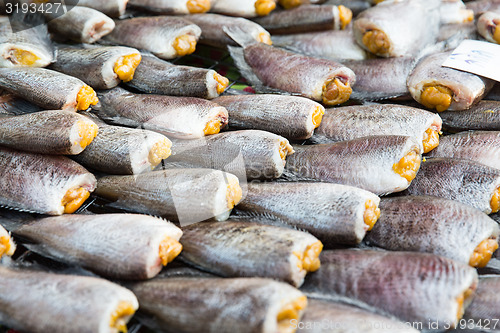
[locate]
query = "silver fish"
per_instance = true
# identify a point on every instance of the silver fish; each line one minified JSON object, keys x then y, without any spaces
{"x":235,"y":249}
{"x":172,"y":7}
{"x":244,"y":8}
{"x":485,"y":115}
{"x":7,"y":245}
{"x":30,"y":301}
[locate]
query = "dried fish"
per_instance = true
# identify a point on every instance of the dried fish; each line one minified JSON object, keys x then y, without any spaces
{"x":454,"y":11}
{"x":234,"y":249}
{"x":13,"y":105}
{"x":485,"y":115}
{"x":445,"y":88}
{"x":47,"y":88}
{"x":172,"y":7}
{"x":434,"y":225}
{"x":335,"y":214}
{"x":262,"y":154}
{"x":124,"y":151}
{"x":214,"y":305}
{"x":488,"y":25}
{"x":356,"y":6}
{"x":485,"y":305}
{"x":244,"y":8}
{"x":48,"y":132}
{"x":351,"y":122}
{"x":117,"y":246}
{"x":38,"y":302}
{"x":465,"y":181}
{"x":179,"y":117}
{"x":80,"y":24}
{"x":112,"y":8}
{"x":100,"y":67}
{"x":379,"y":164}
{"x":481,"y":6}
{"x":264,"y":65}
{"x":415,"y":287}
{"x":166,"y":37}
{"x":7,"y":245}
{"x":156,"y":76}
{"x":185,"y":195}
{"x":292,"y":117}
{"x":43,"y":183}
{"x":306,"y":18}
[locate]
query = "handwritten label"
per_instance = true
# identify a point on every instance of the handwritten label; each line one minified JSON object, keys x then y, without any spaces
{"x":473,"y":56}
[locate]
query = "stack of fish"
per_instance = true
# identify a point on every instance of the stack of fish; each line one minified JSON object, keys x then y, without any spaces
{"x":116,"y":160}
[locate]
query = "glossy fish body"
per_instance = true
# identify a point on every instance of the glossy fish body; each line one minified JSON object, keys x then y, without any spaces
{"x":335,"y":214}
{"x":234,"y":249}
{"x":172,"y":7}
{"x":185,"y":195}
{"x":31,"y":300}
{"x":485,"y":116}
{"x":351,"y":122}
{"x":251,"y":153}
{"x":178,"y":117}
{"x":462,"y":180}
{"x":292,"y":117}
{"x":43,"y":183}
{"x":379,"y":164}
{"x":415,"y":287}
{"x":166,"y":37}
{"x":95,"y":66}
{"x":156,"y":76}
{"x":215,"y":305}
{"x":243,"y":8}
{"x":486,"y":304}
{"x":433,"y":225}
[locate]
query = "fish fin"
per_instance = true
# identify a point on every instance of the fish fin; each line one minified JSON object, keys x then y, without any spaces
{"x":374,"y":95}
{"x":246,"y":71}
{"x":239,"y":35}
{"x":18,"y":209}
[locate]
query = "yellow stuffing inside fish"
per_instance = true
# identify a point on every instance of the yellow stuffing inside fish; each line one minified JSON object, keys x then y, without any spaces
{"x":125,"y":66}
{"x":160,"y":151}
{"x":222,"y":82}
{"x":408,"y":165}
{"x":461,"y":302}
{"x":86,"y":133}
{"x":496,"y":33}
{"x":234,"y":193}
{"x":495,"y":201}
{"x":285,"y":150}
{"x":24,"y":57}
{"x":376,"y":42}
{"x":198,"y":6}
{"x":430,"y":140}
{"x":309,"y":260}
{"x":85,"y":98}
{"x":169,"y":250}
{"x":7,"y":246}
{"x":290,"y":312}
{"x":213,"y":126}
{"x":120,"y":315}
{"x":265,"y":38}
{"x":436,"y":96}
{"x":336,"y":92}
{"x":317,"y":116}
{"x":264,"y":7}
{"x":288,"y":4}
{"x":483,"y":252}
{"x":371,"y":214}
{"x":73,"y":199}
{"x":345,"y":15}
{"x":184,"y":45}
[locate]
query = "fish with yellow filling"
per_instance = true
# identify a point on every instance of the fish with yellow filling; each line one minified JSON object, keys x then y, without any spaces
{"x":234,"y":249}
{"x":488,"y":25}
{"x":292,"y":117}
{"x":156,"y":76}
{"x":102,"y":67}
{"x":269,"y":69}
{"x":334,"y":213}
{"x":414,"y":287}
{"x":435,"y":225}
{"x":466,"y":181}
{"x":184,"y":195}
{"x":484,"y":116}
{"x":31,"y":300}
{"x":214,"y":305}
{"x":380,"y":164}
{"x":7,"y":245}
{"x":48,"y":89}
{"x":176,"y":117}
{"x":43,"y":184}
{"x":172,"y":7}
{"x":167,"y":37}
{"x":244,"y":8}
{"x":486,"y":303}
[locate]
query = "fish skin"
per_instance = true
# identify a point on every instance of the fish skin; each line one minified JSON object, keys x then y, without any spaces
{"x":481,"y":6}
{"x":234,"y":249}
{"x":488,"y":22}
{"x":485,"y":115}
{"x":462,"y":180}
{"x":31,"y":301}
{"x":433,"y":225}
{"x":251,"y":154}
{"x":46,"y":132}
{"x":215,"y":305}
{"x":356,"y":6}
{"x":485,"y":305}
{"x":414,"y":287}
{"x":156,"y":76}
{"x":288,"y":116}
{"x":38,"y":183}
{"x":46,"y":88}
{"x":176,"y":117}
{"x":191,"y":195}
{"x":12,"y":105}
{"x":115,"y":246}
{"x":479,"y":146}
{"x":331,"y":212}
{"x":153,"y":34}
{"x":243,"y":8}
{"x":112,"y":8}
{"x":94,"y":66}
{"x":171,"y":7}
{"x":356,"y":121}
{"x":355,"y":162}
